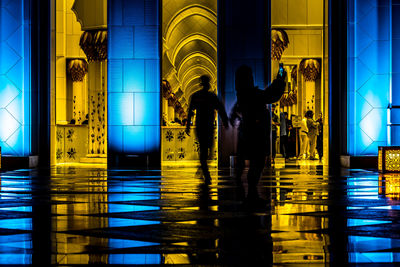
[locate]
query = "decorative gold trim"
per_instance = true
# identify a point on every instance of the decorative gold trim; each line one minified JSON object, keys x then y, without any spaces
{"x":279,"y":42}
{"x":94,"y":44}
{"x":77,"y":69}
{"x":311,"y":69}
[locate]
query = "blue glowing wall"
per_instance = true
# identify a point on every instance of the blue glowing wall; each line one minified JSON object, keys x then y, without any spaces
{"x":14,"y":78}
{"x":133,"y":77}
{"x":395,"y":94}
{"x":369,"y":75}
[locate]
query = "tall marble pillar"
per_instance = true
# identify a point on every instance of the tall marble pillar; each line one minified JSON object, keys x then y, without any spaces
{"x":94,"y":44}
{"x":77,"y":69}
{"x":311,"y":70}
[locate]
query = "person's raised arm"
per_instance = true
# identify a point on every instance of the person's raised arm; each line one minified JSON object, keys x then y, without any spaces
{"x":189,"y":118}
{"x":275,"y":90}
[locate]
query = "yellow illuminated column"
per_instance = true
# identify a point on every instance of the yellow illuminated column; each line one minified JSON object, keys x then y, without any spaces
{"x":165,"y":110}
{"x":77,"y":69}
{"x":167,"y":93}
{"x":310,"y":68}
{"x":94,"y":44}
{"x":171,"y":109}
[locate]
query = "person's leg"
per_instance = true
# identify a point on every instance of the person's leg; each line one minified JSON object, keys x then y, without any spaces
{"x":203,"y":161}
{"x":254,"y":175}
{"x":281,"y":146}
{"x":303,"y":139}
{"x":203,"y":137}
{"x":312,"y":146}
{"x":315,"y":144}
{"x":320,"y":147}
{"x":240,"y":164}
{"x":307,"y":147}
{"x":285,"y":146}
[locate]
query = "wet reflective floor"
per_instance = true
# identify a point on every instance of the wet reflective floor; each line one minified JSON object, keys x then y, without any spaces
{"x":70,"y":216}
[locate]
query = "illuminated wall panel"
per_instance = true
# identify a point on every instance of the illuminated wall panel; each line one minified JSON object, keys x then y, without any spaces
{"x":15,"y":78}
{"x":134,"y":77}
{"x":395,"y":110}
{"x":369,"y":75}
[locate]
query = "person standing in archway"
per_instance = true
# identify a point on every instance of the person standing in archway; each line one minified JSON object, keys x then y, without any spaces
{"x":205,"y":103}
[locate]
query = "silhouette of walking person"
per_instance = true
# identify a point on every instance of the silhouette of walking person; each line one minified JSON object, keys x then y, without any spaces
{"x":205,"y":103}
{"x":255,"y":124}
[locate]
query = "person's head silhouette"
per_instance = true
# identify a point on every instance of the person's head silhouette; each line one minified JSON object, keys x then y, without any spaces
{"x":309,"y":114}
{"x":243,"y":78}
{"x":205,"y":82}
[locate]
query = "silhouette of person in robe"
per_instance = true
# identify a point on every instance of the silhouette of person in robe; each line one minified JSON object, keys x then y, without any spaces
{"x":255,"y":124}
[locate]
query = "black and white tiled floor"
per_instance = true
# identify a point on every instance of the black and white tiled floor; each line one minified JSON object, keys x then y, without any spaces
{"x":70,"y":216}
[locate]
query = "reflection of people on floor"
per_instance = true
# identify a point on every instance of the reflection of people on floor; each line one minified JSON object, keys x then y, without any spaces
{"x":206,"y":245}
{"x":205,"y":103}
{"x":303,"y":139}
{"x":249,"y":242}
{"x":312,"y":133}
{"x":320,"y":145}
{"x":274,"y":127}
{"x":284,"y":131}
{"x":255,"y":126}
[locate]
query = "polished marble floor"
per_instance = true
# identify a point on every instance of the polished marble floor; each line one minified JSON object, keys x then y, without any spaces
{"x":77,"y":216}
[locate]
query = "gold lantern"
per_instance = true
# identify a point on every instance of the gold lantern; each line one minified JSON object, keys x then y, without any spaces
{"x":389,"y":159}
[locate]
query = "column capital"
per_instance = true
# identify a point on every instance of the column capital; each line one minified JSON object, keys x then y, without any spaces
{"x":94,"y":44}
{"x":311,"y":69}
{"x":77,"y":69}
{"x":279,"y":42}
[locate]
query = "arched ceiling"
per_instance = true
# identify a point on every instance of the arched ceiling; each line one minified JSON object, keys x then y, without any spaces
{"x":190,"y":41}
{"x":173,"y":7}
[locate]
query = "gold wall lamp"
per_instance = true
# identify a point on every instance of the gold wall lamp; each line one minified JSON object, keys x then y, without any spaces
{"x":388,"y":159}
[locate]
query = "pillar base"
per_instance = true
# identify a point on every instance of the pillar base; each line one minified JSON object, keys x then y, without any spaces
{"x":362,"y":162}
{"x":13,"y":163}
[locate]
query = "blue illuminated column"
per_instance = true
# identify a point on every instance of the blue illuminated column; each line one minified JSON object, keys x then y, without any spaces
{"x":395,"y":99}
{"x":133,"y":77}
{"x":369,"y":75}
{"x":15,"y":92}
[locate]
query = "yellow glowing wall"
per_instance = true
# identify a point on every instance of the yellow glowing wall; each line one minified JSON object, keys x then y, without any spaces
{"x":68,"y":33}
{"x":305,"y":22}
{"x":71,"y":107}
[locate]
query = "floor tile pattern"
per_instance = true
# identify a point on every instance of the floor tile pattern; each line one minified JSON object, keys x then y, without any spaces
{"x":76,"y":216}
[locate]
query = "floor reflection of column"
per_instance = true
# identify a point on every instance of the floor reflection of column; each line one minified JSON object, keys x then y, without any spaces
{"x":76,"y":200}
{"x":298,"y":238}
{"x":197,"y":199}
{"x":41,"y":222}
